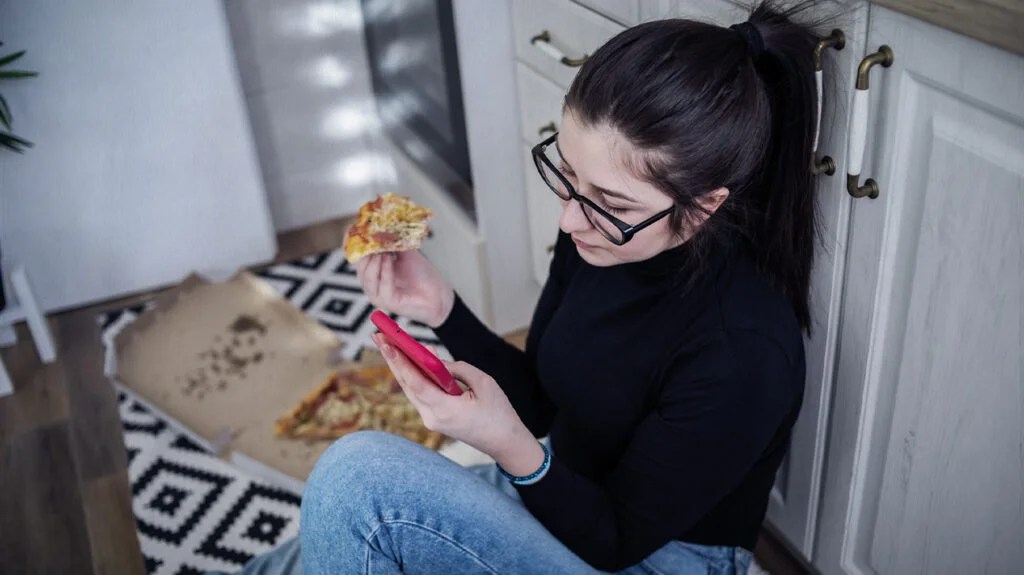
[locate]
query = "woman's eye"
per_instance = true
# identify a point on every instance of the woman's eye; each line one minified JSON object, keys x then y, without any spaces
{"x":614,"y":210}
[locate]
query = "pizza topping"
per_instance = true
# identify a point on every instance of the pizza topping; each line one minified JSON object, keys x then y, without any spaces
{"x":386,"y":237}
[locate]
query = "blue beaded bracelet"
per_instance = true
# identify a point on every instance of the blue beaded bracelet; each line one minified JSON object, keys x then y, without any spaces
{"x":533,"y":477}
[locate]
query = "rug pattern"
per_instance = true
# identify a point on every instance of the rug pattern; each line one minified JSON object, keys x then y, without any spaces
{"x":195,"y":512}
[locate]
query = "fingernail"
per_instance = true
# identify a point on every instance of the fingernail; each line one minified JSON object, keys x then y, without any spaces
{"x":389,"y":352}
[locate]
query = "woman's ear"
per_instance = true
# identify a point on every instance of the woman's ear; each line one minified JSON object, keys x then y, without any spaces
{"x":713,"y":200}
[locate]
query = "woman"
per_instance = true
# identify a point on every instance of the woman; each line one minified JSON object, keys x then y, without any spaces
{"x":665,"y":358}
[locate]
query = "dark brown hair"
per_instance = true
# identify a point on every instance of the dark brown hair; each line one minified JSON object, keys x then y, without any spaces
{"x":706,"y":110}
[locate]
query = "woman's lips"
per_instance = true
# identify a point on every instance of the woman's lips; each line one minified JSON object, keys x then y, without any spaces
{"x":581,"y":244}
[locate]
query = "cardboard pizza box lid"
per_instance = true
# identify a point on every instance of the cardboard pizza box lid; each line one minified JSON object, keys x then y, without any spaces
{"x":224,"y":361}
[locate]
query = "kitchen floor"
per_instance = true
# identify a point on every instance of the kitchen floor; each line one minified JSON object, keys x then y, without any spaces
{"x":65,"y":499}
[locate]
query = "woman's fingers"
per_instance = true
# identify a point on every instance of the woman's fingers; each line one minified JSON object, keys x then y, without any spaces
{"x":417,"y":387}
{"x":361,"y":269}
{"x":386,"y":286}
{"x":371,"y":277}
{"x":466,"y":373}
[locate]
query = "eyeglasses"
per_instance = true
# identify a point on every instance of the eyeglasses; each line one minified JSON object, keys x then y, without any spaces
{"x":547,"y":159}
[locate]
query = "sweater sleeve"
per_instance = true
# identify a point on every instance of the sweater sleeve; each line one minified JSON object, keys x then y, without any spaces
{"x":707,"y":430}
{"x":469,"y":340}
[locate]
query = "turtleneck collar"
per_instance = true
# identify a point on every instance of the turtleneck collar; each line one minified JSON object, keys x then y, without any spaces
{"x":684,"y":260}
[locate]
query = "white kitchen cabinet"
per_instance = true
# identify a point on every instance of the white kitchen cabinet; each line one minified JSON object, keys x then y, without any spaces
{"x":540,"y":114}
{"x":544,"y":209}
{"x":721,"y":12}
{"x":572,"y":31}
{"x":925,"y":470}
{"x":624,"y":11}
{"x":542,"y":79}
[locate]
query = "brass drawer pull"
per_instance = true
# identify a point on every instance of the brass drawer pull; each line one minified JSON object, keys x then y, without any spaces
{"x":836,"y":40}
{"x":859,"y":125}
{"x":550,"y":128}
{"x":543,"y":42}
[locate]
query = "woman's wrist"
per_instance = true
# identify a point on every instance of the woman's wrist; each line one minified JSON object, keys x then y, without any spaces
{"x":536,"y":475}
{"x":447,"y":305}
{"x":522,"y":456}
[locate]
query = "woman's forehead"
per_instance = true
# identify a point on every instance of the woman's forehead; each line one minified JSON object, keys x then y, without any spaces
{"x":603,"y":157}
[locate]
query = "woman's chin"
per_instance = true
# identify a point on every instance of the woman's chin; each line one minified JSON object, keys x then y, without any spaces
{"x":593,"y":257}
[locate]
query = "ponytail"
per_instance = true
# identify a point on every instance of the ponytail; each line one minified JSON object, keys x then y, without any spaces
{"x":783,"y":226}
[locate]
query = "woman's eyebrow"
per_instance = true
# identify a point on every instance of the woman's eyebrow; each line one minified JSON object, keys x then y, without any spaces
{"x":604,"y":191}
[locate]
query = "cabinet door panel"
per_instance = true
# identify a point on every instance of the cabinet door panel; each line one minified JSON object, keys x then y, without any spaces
{"x":926,"y":466}
{"x":544,"y":209}
{"x":624,"y":11}
{"x":540,"y":104}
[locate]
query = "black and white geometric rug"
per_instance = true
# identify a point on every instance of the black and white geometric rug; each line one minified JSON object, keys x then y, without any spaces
{"x":325,"y":286}
{"x":195,"y":512}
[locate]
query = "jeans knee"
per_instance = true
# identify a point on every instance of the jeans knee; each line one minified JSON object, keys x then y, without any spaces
{"x":359,"y":445}
{"x":355,"y":467}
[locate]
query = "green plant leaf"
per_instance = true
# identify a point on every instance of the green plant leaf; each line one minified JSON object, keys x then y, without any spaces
{"x":11,"y":57}
{"x":9,"y":74}
{"x":5,"y":113}
{"x":12,"y":142}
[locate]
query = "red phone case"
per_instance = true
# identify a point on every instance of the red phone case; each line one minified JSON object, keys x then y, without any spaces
{"x":428,"y":363}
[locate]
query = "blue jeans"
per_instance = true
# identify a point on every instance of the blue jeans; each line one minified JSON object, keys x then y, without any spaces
{"x":377,"y":503}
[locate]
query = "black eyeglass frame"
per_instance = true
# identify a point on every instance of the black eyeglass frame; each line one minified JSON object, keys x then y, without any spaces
{"x":627,"y":230}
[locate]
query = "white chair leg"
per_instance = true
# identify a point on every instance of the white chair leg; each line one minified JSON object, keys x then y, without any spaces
{"x":6,"y":386}
{"x":8,"y":336}
{"x":33,"y":315}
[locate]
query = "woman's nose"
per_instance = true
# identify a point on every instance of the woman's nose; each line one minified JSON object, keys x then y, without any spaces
{"x":572,"y":218}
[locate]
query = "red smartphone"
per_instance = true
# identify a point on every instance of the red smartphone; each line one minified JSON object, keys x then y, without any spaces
{"x":428,"y":363}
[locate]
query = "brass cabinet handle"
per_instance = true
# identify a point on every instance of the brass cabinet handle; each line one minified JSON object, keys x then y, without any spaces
{"x":550,"y":127}
{"x":859,"y":125}
{"x":543,"y":42}
{"x":825,"y":166}
{"x":836,"y":40}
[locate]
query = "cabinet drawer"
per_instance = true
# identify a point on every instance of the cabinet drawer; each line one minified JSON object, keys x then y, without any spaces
{"x":624,"y":11}
{"x":540,"y":104}
{"x":722,"y":12}
{"x":573,"y":29}
{"x":543,"y":210}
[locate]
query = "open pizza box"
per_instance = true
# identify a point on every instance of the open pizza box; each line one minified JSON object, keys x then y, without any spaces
{"x":223,"y":361}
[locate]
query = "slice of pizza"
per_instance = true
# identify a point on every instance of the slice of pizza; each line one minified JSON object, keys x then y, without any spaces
{"x":351,"y":400}
{"x":326,"y":413}
{"x":390,"y":223}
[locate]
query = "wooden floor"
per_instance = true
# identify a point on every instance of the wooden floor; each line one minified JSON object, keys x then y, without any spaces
{"x":65,"y":499}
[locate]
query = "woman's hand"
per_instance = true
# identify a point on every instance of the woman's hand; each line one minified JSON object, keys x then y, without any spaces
{"x":407,"y":284}
{"x":481,"y":417}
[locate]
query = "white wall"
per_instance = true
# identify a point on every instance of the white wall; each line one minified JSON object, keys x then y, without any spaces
{"x":144,"y":167}
{"x":307,"y":86}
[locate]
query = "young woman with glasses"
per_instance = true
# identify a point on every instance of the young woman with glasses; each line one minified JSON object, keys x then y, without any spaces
{"x":665,"y":359}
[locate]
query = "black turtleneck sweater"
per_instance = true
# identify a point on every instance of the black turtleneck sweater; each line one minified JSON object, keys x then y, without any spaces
{"x":668,"y":396}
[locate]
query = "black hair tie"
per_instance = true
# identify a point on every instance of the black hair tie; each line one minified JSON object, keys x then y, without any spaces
{"x":752,"y":37}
